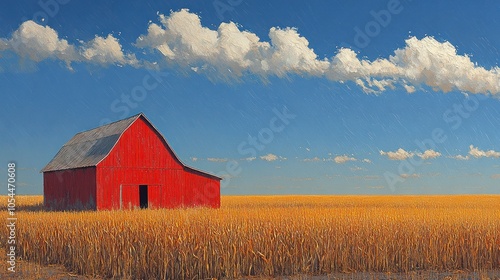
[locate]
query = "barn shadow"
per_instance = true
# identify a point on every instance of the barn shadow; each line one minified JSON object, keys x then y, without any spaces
{"x":23,"y":206}
{"x":39,"y":207}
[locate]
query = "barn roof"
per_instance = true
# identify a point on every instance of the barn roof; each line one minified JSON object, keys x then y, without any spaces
{"x":90,"y":147}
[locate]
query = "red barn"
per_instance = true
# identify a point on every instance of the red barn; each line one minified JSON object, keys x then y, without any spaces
{"x":124,"y":165}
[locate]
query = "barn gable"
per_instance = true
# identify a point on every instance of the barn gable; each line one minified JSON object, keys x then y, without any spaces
{"x":89,"y":148}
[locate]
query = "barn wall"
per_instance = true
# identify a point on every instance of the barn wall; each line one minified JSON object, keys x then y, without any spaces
{"x":139,"y":158}
{"x":70,"y":189}
{"x":201,"y":190}
{"x":142,"y":158}
{"x":113,"y":180}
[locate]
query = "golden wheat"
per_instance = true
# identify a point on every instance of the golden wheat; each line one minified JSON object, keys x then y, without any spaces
{"x":269,"y":236}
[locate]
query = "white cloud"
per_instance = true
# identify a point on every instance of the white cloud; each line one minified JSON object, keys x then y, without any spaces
{"x":106,"y":51}
{"x":400,"y":154}
{"x":38,"y":43}
{"x":366,"y":160}
{"x":217,"y":159}
{"x":269,"y":157}
{"x":194,"y":159}
{"x":409,"y":176}
{"x":422,"y":61}
{"x":291,"y":54}
{"x":495,"y":176}
{"x":250,"y":158}
{"x":438,"y":65}
{"x":343,"y":159}
{"x":460,"y":157}
{"x":408,"y":88}
{"x":429,"y":154}
{"x":229,"y":53}
{"x":475,"y":152}
{"x":314,"y":159}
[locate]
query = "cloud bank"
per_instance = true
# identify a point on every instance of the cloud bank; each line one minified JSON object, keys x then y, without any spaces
{"x":429,"y":154}
{"x":37,"y":43}
{"x":343,"y":159}
{"x":401,"y":154}
{"x":228,"y":53}
{"x":269,"y":157}
{"x":477,"y":153}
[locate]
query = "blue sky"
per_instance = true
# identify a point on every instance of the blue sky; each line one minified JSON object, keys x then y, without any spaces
{"x":376,"y":97}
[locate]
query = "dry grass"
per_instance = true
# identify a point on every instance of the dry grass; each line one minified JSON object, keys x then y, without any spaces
{"x":269,"y":236}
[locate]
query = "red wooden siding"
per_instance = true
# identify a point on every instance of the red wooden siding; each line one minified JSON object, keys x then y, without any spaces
{"x":140,"y":146}
{"x":154,"y":197}
{"x":201,"y":191}
{"x":130,"y":199}
{"x":70,"y":189}
{"x":141,"y":157}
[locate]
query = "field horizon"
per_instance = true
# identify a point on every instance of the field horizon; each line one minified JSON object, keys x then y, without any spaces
{"x":270,"y":236}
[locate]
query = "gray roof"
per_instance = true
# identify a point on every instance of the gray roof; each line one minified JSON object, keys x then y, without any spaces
{"x":88,"y":148}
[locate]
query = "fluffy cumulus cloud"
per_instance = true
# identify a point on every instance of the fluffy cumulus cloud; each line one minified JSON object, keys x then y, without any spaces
{"x":460,"y":157}
{"x":229,"y":53}
{"x":475,"y":152}
{"x":269,"y":157}
{"x":106,"y":51}
{"x":37,"y":43}
{"x":343,"y":159}
{"x":399,"y":154}
{"x":429,"y":154}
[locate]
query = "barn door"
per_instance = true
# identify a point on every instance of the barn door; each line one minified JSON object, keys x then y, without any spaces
{"x":140,"y":196}
{"x":143,"y":196}
{"x":129,"y":197}
{"x":154,"y":196}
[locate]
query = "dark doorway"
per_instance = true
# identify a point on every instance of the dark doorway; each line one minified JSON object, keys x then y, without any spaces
{"x":143,"y":196}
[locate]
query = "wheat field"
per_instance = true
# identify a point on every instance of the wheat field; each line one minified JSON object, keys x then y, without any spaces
{"x":267,"y":236}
